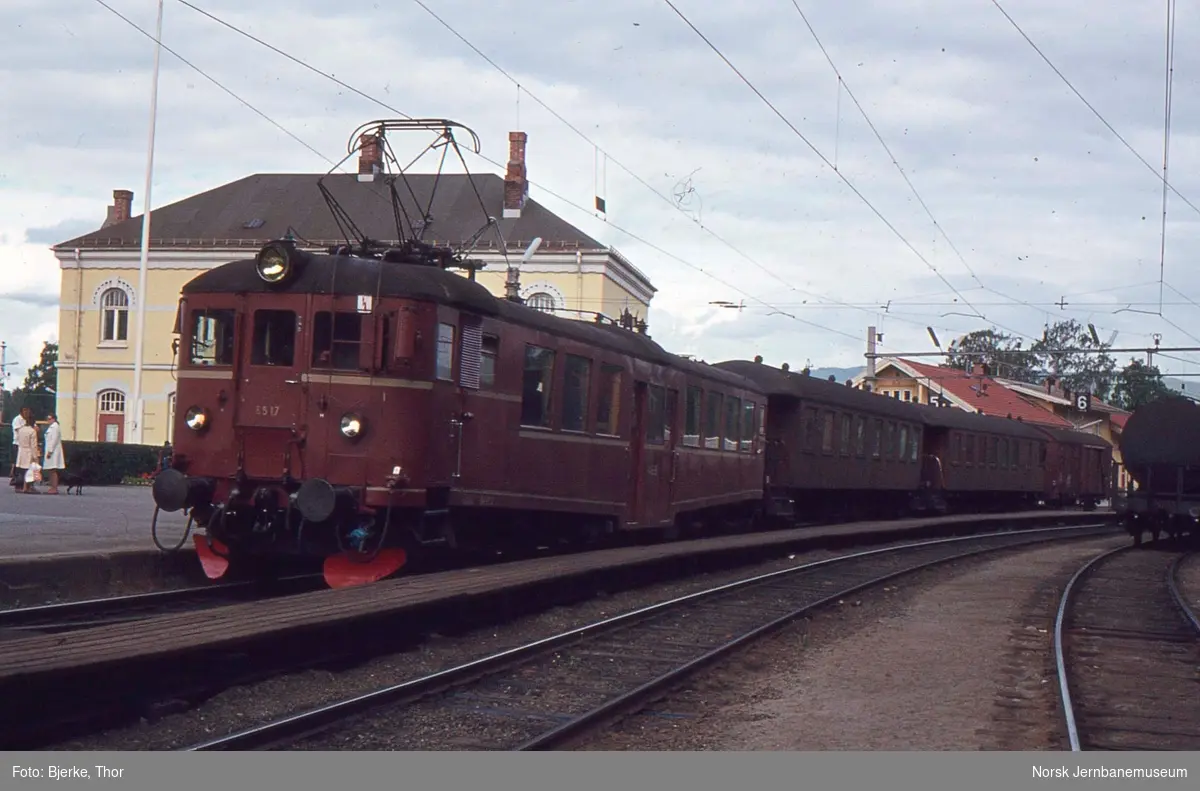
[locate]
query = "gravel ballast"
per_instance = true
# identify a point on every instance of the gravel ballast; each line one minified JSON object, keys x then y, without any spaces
{"x":1189,"y":581}
{"x":956,"y":658}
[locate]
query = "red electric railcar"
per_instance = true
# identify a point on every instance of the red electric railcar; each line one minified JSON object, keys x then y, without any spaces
{"x":358,"y":408}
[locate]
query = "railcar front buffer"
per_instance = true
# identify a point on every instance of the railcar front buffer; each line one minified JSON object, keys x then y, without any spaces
{"x":352,"y":569}
{"x":213,"y":555}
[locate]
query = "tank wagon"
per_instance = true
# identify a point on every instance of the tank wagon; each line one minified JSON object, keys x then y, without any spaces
{"x":1160,"y":448}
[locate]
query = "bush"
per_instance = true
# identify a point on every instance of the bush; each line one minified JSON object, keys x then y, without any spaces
{"x":102,"y":463}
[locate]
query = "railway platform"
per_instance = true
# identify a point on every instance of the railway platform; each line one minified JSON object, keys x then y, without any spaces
{"x":97,"y":543}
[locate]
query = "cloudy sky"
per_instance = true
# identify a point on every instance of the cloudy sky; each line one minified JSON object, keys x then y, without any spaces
{"x":995,"y":191}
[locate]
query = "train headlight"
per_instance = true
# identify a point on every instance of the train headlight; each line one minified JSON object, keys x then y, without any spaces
{"x":276,"y":261}
{"x":196,"y":418}
{"x":352,"y":425}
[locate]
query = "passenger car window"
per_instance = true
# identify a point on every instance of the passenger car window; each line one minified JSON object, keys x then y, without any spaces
{"x":656,"y":409}
{"x":748,"y":427}
{"x":608,"y":407}
{"x":488,"y":352}
{"x":712,"y":426}
{"x":445,"y":352}
{"x":535,"y":394}
{"x":576,"y":387}
{"x":691,"y":428}
{"x":733,"y":423}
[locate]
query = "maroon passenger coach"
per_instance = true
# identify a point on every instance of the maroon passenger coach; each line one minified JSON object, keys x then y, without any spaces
{"x":833,"y":450}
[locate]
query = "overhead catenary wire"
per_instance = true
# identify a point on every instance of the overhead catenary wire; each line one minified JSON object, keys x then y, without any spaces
{"x":400,"y":113}
{"x":608,"y":157}
{"x":1163,"y":176}
{"x":844,"y":86}
{"x":1170,"y":72}
{"x":572,"y":203}
{"x":826,"y":160}
{"x":524,"y":89}
{"x":1095,"y":112}
{"x":673,"y":204}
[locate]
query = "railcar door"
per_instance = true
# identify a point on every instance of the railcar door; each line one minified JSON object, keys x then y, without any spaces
{"x":654,"y":436}
{"x":345,"y":403}
{"x":270,"y":400}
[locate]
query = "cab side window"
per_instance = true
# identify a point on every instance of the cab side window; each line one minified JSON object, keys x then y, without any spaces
{"x":336,"y":340}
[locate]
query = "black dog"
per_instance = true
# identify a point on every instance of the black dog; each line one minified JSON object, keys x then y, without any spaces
{"x":73,"y":480}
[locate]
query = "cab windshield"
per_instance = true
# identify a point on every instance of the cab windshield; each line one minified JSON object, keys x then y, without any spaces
{"x":211,"y":337}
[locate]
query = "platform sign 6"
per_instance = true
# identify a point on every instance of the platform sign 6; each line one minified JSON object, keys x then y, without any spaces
{"x":1083,"y":401}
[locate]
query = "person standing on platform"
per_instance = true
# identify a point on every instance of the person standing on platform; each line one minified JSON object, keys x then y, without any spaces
{"x":53,"y":461}
{"x":27,"y":452}
{"x":18,"y":421}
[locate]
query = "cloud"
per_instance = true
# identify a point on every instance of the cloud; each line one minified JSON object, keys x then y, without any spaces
{"x":67,"y":229}
{"x":1034,"y":198}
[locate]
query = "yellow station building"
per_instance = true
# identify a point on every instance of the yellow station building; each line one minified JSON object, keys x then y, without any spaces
{"x":570,"y":274}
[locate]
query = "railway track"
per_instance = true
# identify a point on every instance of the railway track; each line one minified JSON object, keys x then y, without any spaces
{"x":544,"y":694}
{"x":1127,"y":645}
{"x":90,"y":613}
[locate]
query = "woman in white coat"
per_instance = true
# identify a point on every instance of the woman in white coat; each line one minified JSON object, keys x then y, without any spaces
{"x":54,"y":460}
{"x":27,"y":452}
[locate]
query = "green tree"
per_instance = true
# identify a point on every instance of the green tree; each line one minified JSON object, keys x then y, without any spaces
{"x":999,"y":351}
{"x":1070,"y":352}
{"x":1137,"y":384}
{"x":41,"y":382}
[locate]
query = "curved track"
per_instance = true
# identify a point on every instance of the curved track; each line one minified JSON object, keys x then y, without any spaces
{"x":1127,"y":645}
{"x":72,"y":615}
{"x":543,"y":694}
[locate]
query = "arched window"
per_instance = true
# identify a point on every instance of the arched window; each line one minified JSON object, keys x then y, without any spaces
{"x":112,"y":402}
{"x":541,"y":301}
{"x":114,"y":305}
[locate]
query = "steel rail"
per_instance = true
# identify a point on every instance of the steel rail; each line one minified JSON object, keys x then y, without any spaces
{"x":1177,"y":595}
{"x":65,"y":615}
{"x":1059,"y":643}
{"x":318,"y":720}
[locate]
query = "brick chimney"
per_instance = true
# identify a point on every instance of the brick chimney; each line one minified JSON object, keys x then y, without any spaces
{"x":516,"y":188}
{"x":370,"y":157}
{"x":121,"y":209}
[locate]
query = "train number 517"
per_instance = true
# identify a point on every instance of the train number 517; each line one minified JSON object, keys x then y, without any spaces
{"x":266,"y":411}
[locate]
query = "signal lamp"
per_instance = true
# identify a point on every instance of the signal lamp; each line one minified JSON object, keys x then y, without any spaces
{"x":276,"y":261}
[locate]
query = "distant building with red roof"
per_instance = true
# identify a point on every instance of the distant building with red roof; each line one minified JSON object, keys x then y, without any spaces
{"x":973,"y":391}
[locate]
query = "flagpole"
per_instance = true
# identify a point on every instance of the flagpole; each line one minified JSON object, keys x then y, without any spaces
{"x":139,"y":338}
